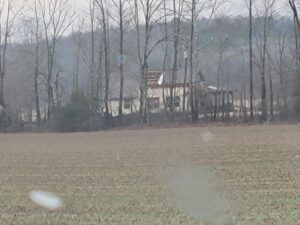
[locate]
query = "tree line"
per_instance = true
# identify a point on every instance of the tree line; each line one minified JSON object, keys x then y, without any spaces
{"x":123,"y":36}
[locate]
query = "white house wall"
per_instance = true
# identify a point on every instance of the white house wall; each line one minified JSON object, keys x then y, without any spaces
{"x":152,"y":93}
{"x":114,"y":107}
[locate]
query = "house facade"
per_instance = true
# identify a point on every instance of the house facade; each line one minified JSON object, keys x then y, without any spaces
{"x":207,"y":98}
{"x":158,"y":87}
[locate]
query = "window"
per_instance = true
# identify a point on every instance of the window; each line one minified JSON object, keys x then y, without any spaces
{"x":153,"y":103}
{"x":127,"y":104}
{"x":176,"y":101}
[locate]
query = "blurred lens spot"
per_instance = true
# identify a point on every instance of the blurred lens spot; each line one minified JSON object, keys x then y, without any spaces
{"x":207,"y":136}
{"x":194,"y":193}
{"x":46,"y":200}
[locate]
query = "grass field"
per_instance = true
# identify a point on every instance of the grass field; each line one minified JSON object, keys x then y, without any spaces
{"x":126,"y":177}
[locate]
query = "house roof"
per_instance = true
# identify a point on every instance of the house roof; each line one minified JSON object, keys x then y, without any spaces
{"x":132,"y":84}
{"x":153,"y":78}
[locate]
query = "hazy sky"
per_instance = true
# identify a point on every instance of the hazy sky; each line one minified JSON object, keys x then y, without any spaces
{"x":234,"y":7}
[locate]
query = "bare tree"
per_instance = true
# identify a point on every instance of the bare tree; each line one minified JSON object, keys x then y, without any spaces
{"x":194,"y":113}
{"x":99,"y":86}
{"x":178,"y":7}
{"x":294,"y":7}
{"x":280,"y":56}
{"x":267,"y":10}
{"x":185,"y":55}
{"x":123,"y":21}
{"x":102,"y":4}
{"x":249,"y":4}
{"x":166,"y":52}
{"x":37,"y":61}
{"x":90,"y":46}
{"x":197,"y":7}
{"x":57,"y":17}
{"x":92,"y":30}
{"x":270,"y":73}
{"x":8,"y":16}
{"x":149,"y":14}
{"x":136,"y":14}
{"x":221,"y":47}
{"x":226,"y":51}
{"x":77,"y":36}
{"x":251,"y":59}
{"x":282,"y":63}
{"x":32,"y":47}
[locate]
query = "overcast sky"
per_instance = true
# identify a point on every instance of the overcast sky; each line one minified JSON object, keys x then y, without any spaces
{"x":234,"y":7}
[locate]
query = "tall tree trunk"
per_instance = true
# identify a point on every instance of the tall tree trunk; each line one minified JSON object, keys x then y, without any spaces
{"x":271,"y":95}
{"x":293,"y":6}
{"x":2,"y":74}
{"x":76,"y":72}
{"x":92,"y":69}
{"x":3,"y":49}
{"x":263,"y":71}
{"x":297,"y":32}
{"x":192,"y":102}
{"x":106,"y":65}
{"x":185,"y":78}
{"x":37,"y":101}
{"x":121,"y":62}
{"x":227,"y":105}
{"x":219,"y":77}
{"x":245,"y":101}
{"x":145,"y":91}
{"x":241,"y":101}
{"x":141,"y":72}
{"x":56,"y":85}
{"x":176,"y":30}
{"x":105,"y":40}
{"x":222,"y":85}
{"x":165,"y":56}
{"x":145,"y":67}
{"x":251,"y":61}
{"x":49,"y":85}
{"x":2,"y":103}
{"x":283,"y":87}
{"x":36,"y":70}
{"x":100,"y":78}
